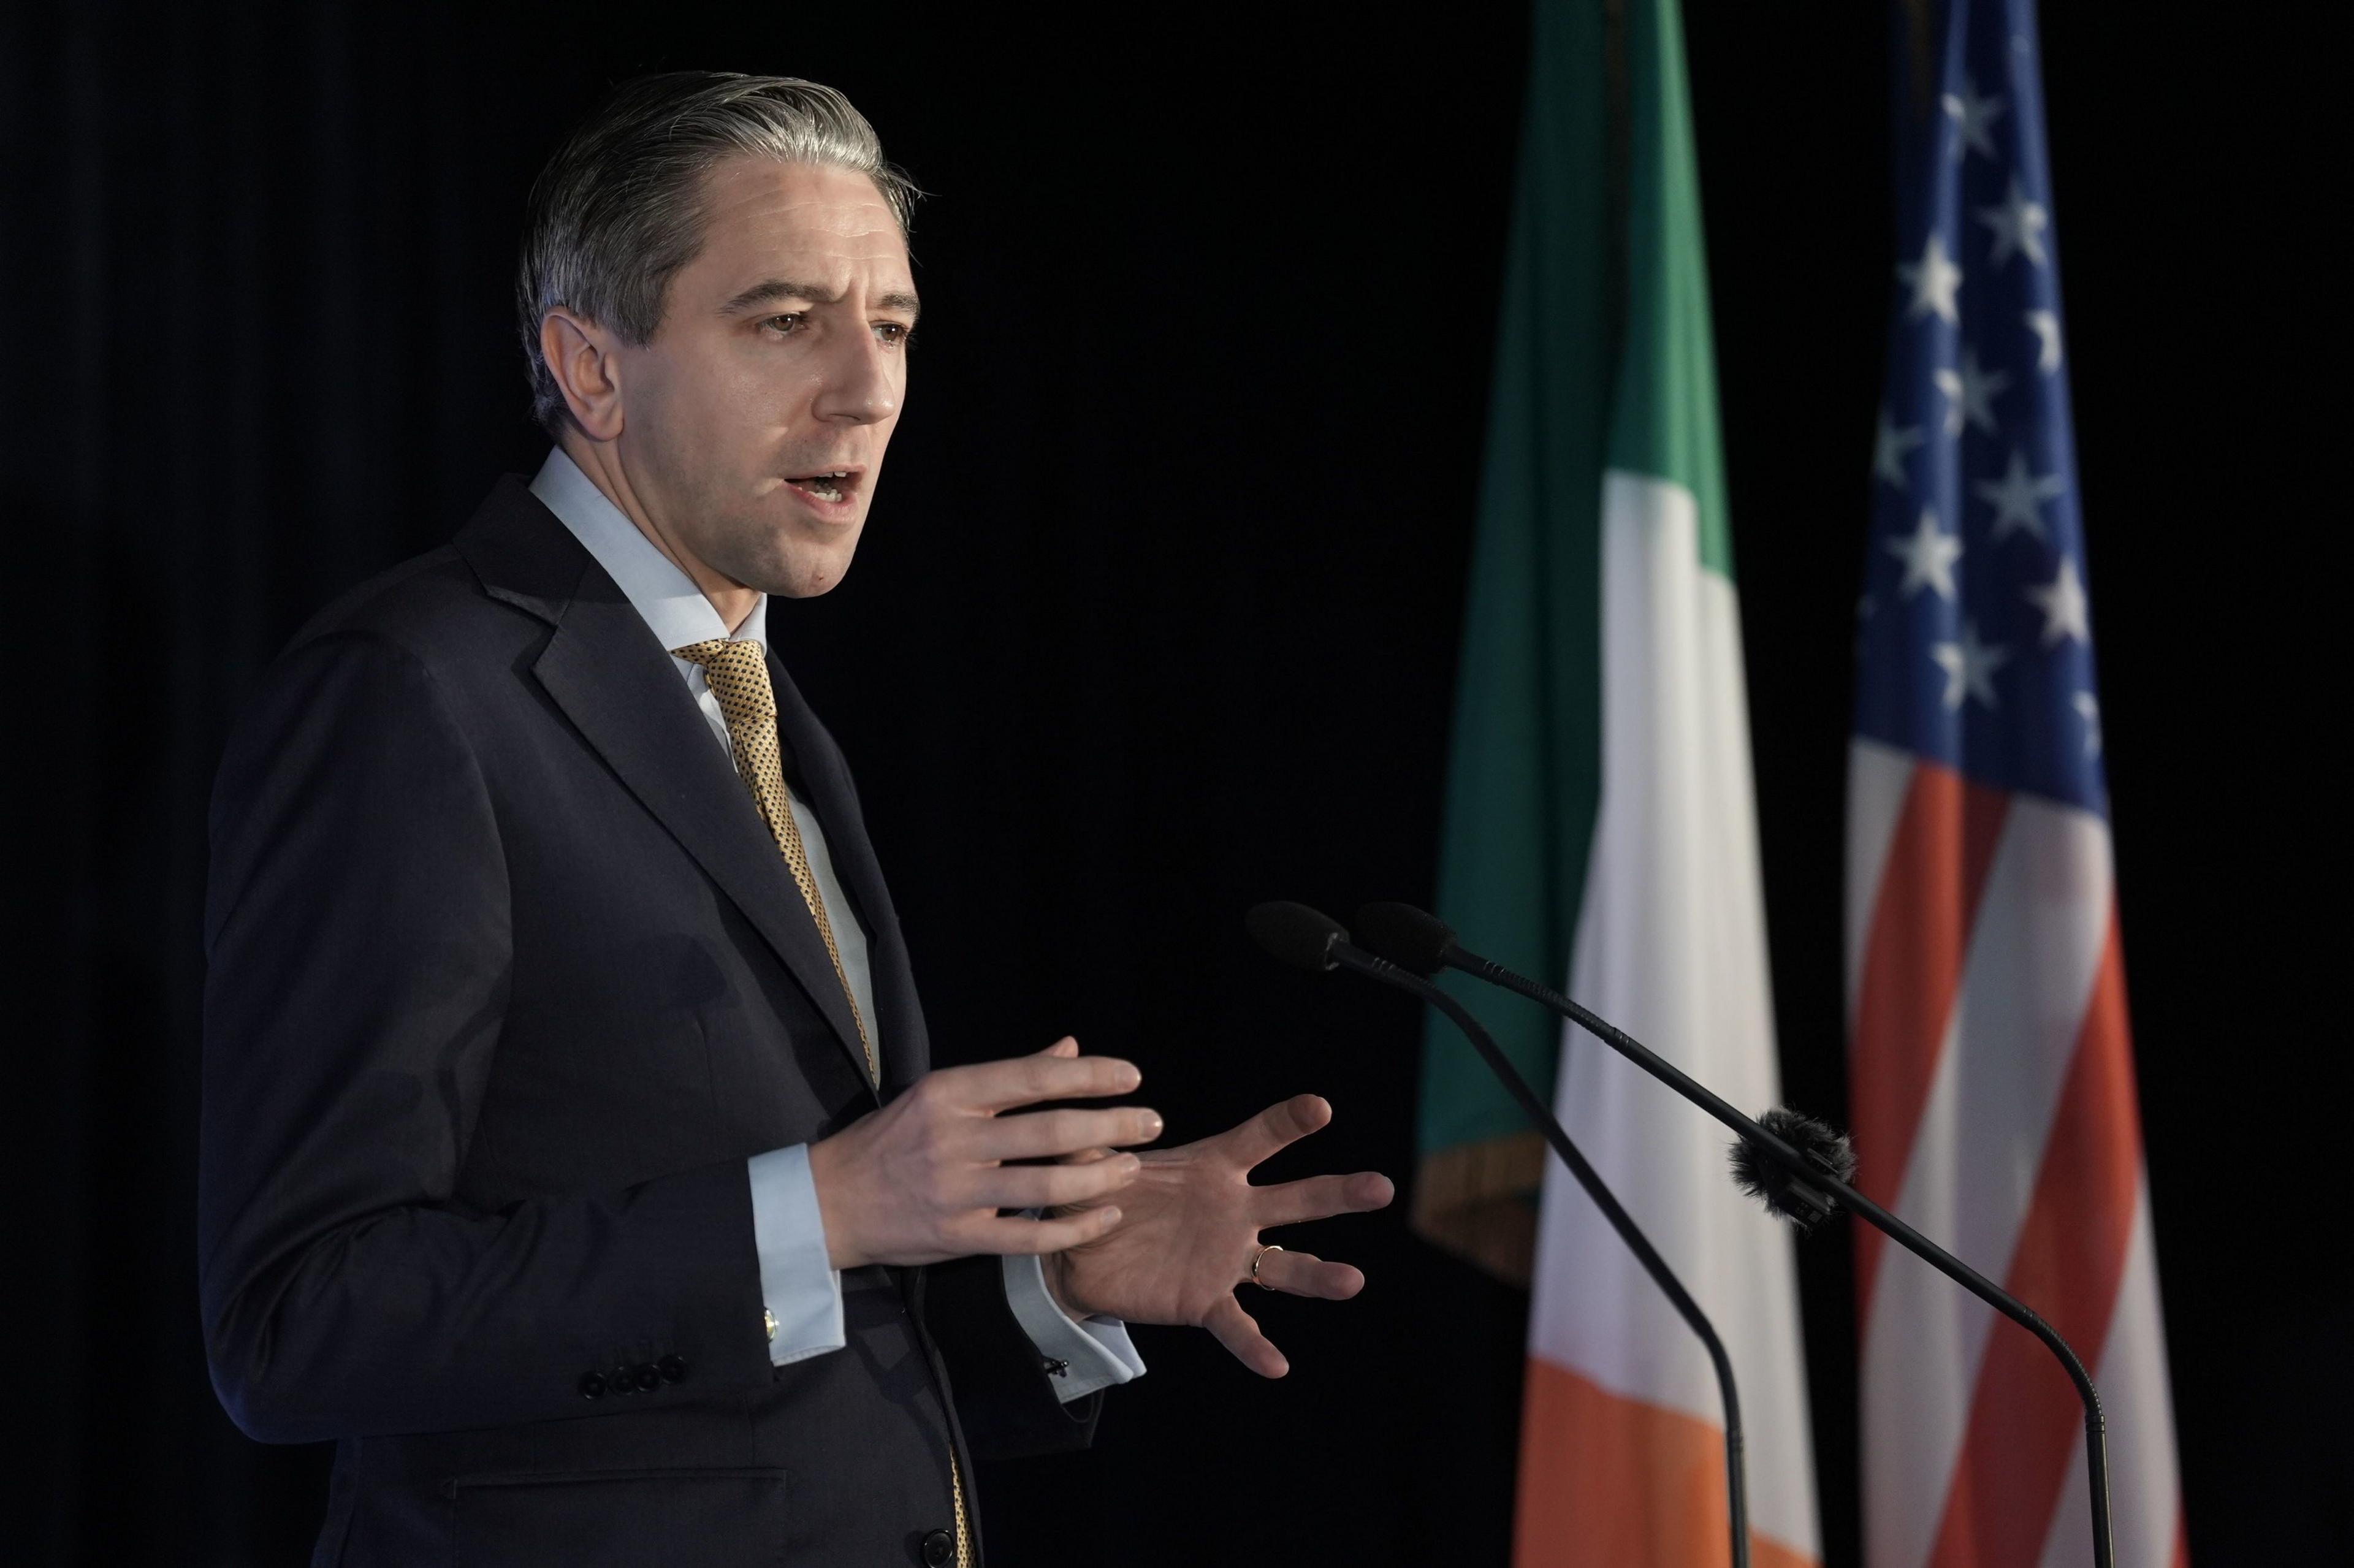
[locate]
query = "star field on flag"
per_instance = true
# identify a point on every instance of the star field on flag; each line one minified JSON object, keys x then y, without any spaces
{"x":1977,"y":500}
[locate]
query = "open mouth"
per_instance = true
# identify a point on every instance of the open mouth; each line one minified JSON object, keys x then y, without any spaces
{"x":832,"y":489}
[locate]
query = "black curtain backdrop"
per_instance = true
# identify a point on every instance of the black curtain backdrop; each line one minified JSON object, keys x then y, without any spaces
{"x":1156,"y":618}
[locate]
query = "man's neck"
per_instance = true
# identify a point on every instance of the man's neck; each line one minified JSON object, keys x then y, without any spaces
{"x":601,"y":460}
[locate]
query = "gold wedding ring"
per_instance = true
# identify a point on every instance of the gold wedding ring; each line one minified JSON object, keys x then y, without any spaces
{"x":1257,"y":1259}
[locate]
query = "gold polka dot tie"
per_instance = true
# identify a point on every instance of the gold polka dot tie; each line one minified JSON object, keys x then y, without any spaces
{"x":737,"y":669}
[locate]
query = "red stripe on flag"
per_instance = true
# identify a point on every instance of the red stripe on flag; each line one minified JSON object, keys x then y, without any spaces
{"x":1913,"y":957}
{"x":2024,"y":1418}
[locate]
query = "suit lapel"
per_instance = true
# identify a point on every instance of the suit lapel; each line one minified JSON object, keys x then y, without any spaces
{"x":615,"y":682}
{"x":904,"y":1048}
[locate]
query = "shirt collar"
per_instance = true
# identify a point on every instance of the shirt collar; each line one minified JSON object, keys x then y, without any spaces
{"x":663,"y":596}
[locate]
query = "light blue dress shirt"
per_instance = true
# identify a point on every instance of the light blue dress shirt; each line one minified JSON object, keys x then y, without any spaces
{"x":800,"y":1288}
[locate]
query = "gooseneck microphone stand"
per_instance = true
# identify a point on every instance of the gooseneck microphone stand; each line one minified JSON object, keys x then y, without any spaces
{"x":1411,"y":935}
{"x":1298,"y":934}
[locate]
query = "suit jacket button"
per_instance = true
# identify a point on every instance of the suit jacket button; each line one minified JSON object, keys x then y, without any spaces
{"x":622,"y":1380}
{"x":648,"y":1376}
{"x":592,"y":1386}
{"x":939,"y":1548}
{"x":673,"y":1369}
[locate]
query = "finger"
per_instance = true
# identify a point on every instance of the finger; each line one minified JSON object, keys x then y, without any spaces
{"x":1305,"y":1273}
{"x":1238,"y":1331}
{"x":1041,"y":1135}
{"x":1025,"y":1080}
{"x":1066,"y":1046}
{"x":1279,"y":1125}
{"x":1319,"y":1197}
{"x":1051,"y":1186}
{"x":1012,"y":1238}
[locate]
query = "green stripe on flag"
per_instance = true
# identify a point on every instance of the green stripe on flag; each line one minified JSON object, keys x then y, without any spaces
{"x":1524,"y":773}
{"x":1663,"y":419}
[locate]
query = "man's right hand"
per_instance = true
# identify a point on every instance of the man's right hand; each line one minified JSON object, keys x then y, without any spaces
{"x":922,"y":1180}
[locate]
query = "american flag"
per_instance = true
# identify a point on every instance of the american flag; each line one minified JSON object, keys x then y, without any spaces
{"x":1992,"y":1060}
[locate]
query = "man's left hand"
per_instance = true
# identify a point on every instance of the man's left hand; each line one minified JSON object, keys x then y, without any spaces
{"x":1189,"y":1228}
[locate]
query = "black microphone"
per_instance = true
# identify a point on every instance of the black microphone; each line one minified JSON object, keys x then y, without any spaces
{"x":1312,"y":940}
{"x":1797,"y":1166}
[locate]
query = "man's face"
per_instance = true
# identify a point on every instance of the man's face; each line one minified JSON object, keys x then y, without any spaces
{"x":755,"y":420}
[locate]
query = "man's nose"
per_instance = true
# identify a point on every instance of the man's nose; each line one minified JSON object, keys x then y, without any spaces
{"x":861,"y":383}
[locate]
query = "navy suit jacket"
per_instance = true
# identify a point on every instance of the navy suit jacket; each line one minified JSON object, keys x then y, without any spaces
{"x":506,"y":980}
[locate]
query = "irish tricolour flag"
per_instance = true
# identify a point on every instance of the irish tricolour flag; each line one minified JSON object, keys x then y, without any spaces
{"x":1600,"y":832}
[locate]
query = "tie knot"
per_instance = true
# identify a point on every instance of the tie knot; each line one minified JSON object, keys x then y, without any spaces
{"x":737,"y":669}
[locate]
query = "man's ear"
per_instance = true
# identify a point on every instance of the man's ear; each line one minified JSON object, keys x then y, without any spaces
{"x":581,"y":355}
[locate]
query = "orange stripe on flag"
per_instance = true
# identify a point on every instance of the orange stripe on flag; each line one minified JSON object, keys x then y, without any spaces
{"x":1912,"y":959}
{"x":1612,"y":1482}
{"x":2024,"y":1418}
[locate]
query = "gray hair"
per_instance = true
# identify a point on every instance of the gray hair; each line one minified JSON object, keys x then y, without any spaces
{"x":619,"y":208}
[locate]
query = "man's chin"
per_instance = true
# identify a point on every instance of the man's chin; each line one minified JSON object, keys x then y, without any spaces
{"x":805,"y":572}
{"x":789,"y":559}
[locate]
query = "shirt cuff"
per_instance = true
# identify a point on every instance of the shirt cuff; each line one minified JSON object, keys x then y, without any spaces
{"x":800,"y":1287}
{"x":1092,"y":1353}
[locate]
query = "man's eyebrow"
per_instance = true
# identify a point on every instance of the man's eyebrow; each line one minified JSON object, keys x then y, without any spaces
{"x":771,"y":290}
{"x":768,"y":291}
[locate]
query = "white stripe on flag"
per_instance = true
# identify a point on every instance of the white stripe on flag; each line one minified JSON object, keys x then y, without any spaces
{"x":1878,"y":779}
{"x":1671,"y":945}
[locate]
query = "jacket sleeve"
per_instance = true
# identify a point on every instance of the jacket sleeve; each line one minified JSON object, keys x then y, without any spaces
{"x":359,"y":951}
{"x":1005,"y":1398}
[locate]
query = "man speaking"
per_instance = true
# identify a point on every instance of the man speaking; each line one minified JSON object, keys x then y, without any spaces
{"x":572,"y":1154}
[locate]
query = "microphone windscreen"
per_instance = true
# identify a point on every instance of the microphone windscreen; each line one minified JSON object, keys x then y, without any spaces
{"x":1295,"y":933}
{"x":1406,"y":936}
{"x":1784,"y":1193}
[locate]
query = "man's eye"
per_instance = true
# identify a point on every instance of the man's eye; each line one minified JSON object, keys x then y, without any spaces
{"x":895,"y":332}
{"x":784,"y":323}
